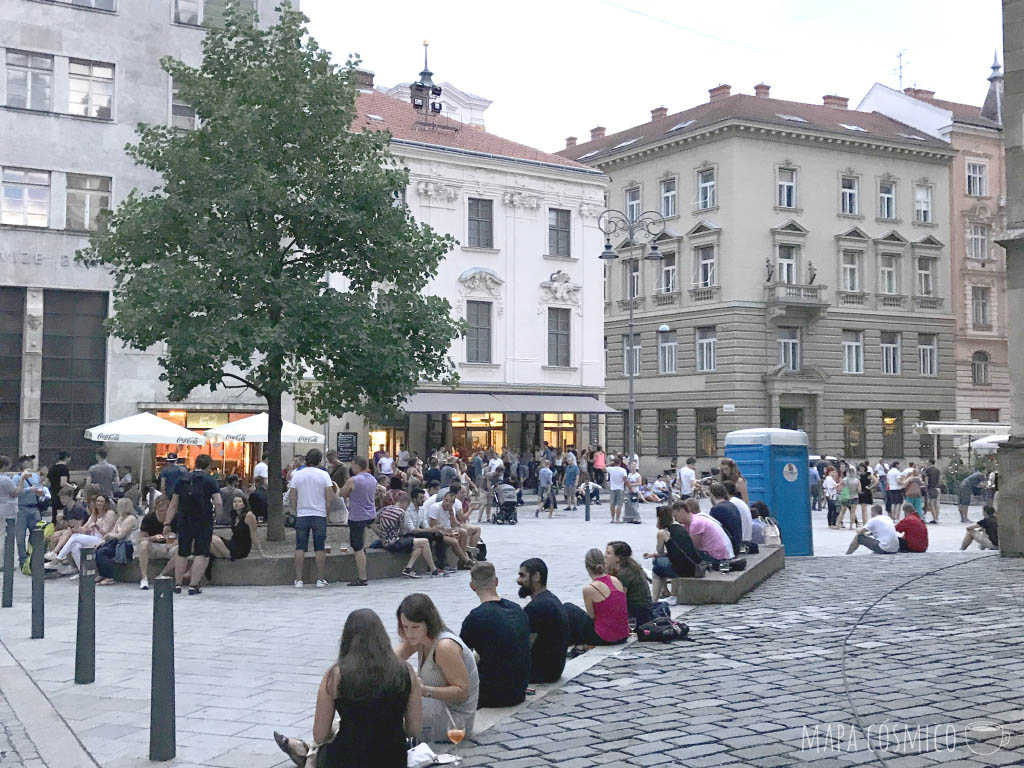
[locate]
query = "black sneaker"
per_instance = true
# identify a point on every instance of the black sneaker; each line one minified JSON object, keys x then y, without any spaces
{"x":410,"y":573}
{"x":358,"y":583}
{"x":177,"y":589}
{"x":195,"y":591}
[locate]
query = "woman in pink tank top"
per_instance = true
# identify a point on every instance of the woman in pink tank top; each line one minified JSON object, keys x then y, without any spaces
{"x":606,"y":618}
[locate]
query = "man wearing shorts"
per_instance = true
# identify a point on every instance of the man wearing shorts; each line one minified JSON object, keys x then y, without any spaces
{"x":360,"y":491}
{"x":933,"y":477}
{"x":618,"y":483}
{"x":312,"y":492}
{"x":195,"y":501}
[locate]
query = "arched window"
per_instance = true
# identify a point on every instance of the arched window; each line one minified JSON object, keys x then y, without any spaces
{"x":979,"y":367}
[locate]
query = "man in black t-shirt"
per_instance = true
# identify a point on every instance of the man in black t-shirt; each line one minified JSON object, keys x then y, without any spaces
{"x":499,"y":632}
{"x":57,"y":476}
{"x":195,"y":502}
{"x":259,"y":499}
{"x":549,"y":624}
{"x":934,"y":479}
{"x":725,"y":512}
{"x":985,"y":531}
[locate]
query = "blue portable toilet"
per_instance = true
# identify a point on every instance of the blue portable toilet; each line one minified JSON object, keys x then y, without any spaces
{"x":774,"y":464}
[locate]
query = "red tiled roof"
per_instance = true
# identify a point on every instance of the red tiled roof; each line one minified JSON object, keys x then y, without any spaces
{"x":762,"y":110}
{"x":962,"y":113}
{"x":409,"y":124}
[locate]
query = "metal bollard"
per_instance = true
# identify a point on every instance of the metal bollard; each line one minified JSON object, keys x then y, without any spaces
{"x":161,"y":704}
{"x":8,"y":599}
{"x":85,"y":643}
{"x":586,"y":502}
{"x":38,"y":575}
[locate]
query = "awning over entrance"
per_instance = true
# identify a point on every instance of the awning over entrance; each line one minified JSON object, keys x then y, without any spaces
{"x":961,"y":428}
{"x":476,"y":402}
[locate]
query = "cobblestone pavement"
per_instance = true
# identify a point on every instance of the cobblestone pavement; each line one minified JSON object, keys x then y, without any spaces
{"x":770,"y":682}
{"x":16,"y":749}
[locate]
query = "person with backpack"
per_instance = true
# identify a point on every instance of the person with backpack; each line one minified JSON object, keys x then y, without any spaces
{"x":195,"y":501}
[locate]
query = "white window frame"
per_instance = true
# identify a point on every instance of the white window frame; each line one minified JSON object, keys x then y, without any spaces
{"x":94,"y":199}
{"x":849,"y":198}
{"x":889,"y":274}
{"x":977,"y":179}
{"x":887,"y":200}
{"x":926,"y":275}
{"x":785,"y":188}
{"x":667,"y":348}
{"x":853,"y":352}
{"x":977,"y":240}
{"x":631,"y":355}
{"x":669,"y":271}
{"x":706,"y":340}
{"x":40,"y":198}
{"x":928,"y":354}
{"x":981,"y":306}
{"x":787,"y":267}
{"x":788,"y":340}
{"x":175,"y":101}
{"x":850,"y":277}
{"x":705,"y":271}
{"x":923,"y":211}
{"x":200,"y":12}
{"x":631,"y":195}
{"x":669,"y":196}
{"x":631,"y":278}
{"x":980,"y":368}
{"x":891,"y":353}
{"x":30,"y":73}
{"x":707,"y":188}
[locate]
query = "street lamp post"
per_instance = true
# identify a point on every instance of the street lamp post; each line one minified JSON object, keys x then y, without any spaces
{"x":639,"y":230}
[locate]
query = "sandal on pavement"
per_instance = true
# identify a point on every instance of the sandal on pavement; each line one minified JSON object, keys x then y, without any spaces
{"x":294,"y":748}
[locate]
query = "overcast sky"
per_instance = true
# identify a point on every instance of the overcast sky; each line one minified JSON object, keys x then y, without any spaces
{"x":557,"y":68}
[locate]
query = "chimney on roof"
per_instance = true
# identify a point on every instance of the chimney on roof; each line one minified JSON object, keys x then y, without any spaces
{"x":597,"y":133}
{"x":719,"y":92}
{"x":919,"y":93}
{"x":761,"y":90}
{"x":836,"y":102}
{"x":658,"y":112}
{"x":570,"y":141}
{"x":363,"y":79}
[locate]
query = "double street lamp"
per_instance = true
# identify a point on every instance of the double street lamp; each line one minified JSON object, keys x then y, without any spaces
{"x":639,"y":231}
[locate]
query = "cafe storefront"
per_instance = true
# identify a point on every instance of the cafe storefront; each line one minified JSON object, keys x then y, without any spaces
{"x":228,"y":457}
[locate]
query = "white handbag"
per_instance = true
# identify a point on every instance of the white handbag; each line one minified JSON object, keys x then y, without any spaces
{"x":337,"y":513}
{"x":772,"y":534}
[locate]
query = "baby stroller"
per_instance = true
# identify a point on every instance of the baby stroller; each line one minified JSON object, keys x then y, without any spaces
{"x":507,"y":509}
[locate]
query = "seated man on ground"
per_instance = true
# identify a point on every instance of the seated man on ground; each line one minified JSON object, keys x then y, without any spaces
{"x":417,"y":525}
{"x":675,"y":554}
{"x":593,"y":489}
{"x":913,"y":531}
{"x":604,"y":619}
{"x":985,"y":531}
{"x":661,"y":489}
{"x":442,"y":517}
{"x":153,"y":542}
{"x":879,"y":534}
{"x":549,"y":624}
{"x":499,"y":631}
{"x":390,"y":529}
{"x":726,"y":513}
{"x":708,"y":536}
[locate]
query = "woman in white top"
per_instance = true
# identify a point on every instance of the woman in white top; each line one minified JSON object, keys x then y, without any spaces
{"x":831,"y":495}
{"x":102,"y":520}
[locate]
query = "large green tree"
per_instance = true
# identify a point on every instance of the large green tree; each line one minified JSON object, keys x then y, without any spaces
{"x":277,"y":255}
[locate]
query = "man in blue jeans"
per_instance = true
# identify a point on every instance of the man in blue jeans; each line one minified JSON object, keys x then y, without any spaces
{"x":29,"y":489}
{"x":312,"y":492}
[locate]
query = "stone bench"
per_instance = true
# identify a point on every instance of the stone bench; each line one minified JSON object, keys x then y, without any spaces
{"x":270,"y":571}
{"x":722,"y":588}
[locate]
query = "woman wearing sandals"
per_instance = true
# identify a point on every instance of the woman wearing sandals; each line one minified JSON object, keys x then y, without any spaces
{"x":106,"y":555}
{"x":376,"y":696}
{"x":102,"y":520}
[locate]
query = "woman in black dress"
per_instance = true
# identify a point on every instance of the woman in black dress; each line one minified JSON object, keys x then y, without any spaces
{"x":865,"y":498}
{"x":243,"y":533}
{"x":375,"y":694}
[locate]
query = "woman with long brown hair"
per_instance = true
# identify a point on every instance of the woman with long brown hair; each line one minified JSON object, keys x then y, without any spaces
{"x":728,"y":470}
{"x":619,"y":562}
{"x":376,"y":696}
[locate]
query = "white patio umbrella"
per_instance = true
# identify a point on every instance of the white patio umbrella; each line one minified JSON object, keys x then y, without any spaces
{"x":253,"y":429}
{"x":988,"y":445}
{"x":144,"y":428}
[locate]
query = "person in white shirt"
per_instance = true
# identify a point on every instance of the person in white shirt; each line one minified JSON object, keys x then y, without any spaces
{"x":687,"y":477}
{"x":633,"y":497}
{"x":879,"y":535}
{"x":618,"y":482}
{"x":386,"y":465}
{"x":312,"y":492}
{"x":443,"y":516}
{"x":831,"y":489}
{"x":261,"y":470}
{"x":894,"y":490}
{"x":746,"y":519}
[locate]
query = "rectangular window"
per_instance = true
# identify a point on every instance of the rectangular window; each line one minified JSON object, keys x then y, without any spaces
{"x":90,"y":89}
{"x":787,"y":188}
{"x":196,"y":12}
{"x":848,"y":202}
{"x":668,"y":431}
{"x":26,"y":197}
{"x":707,"y":432}
{"x":929,"y":445}
{"x":887,"y":199}
{"x":853,"y":352}
{"x":668,"y":197}
{"x":890,"y":353}
{"x":666,"y":351}
{"x":977,"y":241}
{"x":979,"y":369}
{"x":981,"y":307}
{"x":853,"y":433}
{"x":706,"y":193}
{"x":558,"y":232}
{"x":633,"y":203}
{"x":706,"y":276}
{"x":606,"y":356}
{"x":889,"y":273}
{"x":707,"y":349}
{"x":892,"y":433}
{"x":558,"y":338}
{"x":668,"y":273}
{"x":977,"y":179}
{"x":789,"y":349}
{"x":787,"y":264}
{"x":186,"y":11}
{"x":928,"y":354}
{"x":925,"y":276}
{"x":631,"y":278}
{"x":851,"y":271}
{"x":922,"y":204}
{"x":631,"y":355}
{"x":481,"y":223}
{"x":86,"y":197}
{"x":183,"y":115}
{"x":478,"y":331}
{"x":985,"y":415}
{"x":29,"y":80}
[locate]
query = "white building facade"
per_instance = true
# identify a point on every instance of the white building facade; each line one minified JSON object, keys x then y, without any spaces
{"x":75,"y":80}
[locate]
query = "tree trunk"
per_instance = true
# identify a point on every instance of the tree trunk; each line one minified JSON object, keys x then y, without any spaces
{"x":275,"y":513}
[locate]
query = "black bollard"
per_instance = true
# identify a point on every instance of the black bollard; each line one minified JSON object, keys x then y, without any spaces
{"x":85,"y":643}
{"x":38,"y":575}
{"x":586,"y":501}
{"x":8,"y":599}
{"x":161,"y":704}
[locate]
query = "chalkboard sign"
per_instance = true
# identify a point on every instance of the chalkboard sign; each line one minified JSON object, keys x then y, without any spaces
{"x":348,"y":443}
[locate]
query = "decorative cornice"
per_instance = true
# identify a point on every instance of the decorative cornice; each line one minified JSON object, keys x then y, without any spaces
{"x":436,"y":191}
{"x":557,"y":290}
{"x":521,"y":200}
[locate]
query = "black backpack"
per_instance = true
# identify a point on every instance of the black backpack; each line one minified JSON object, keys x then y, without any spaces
{"x":662,"y":630}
